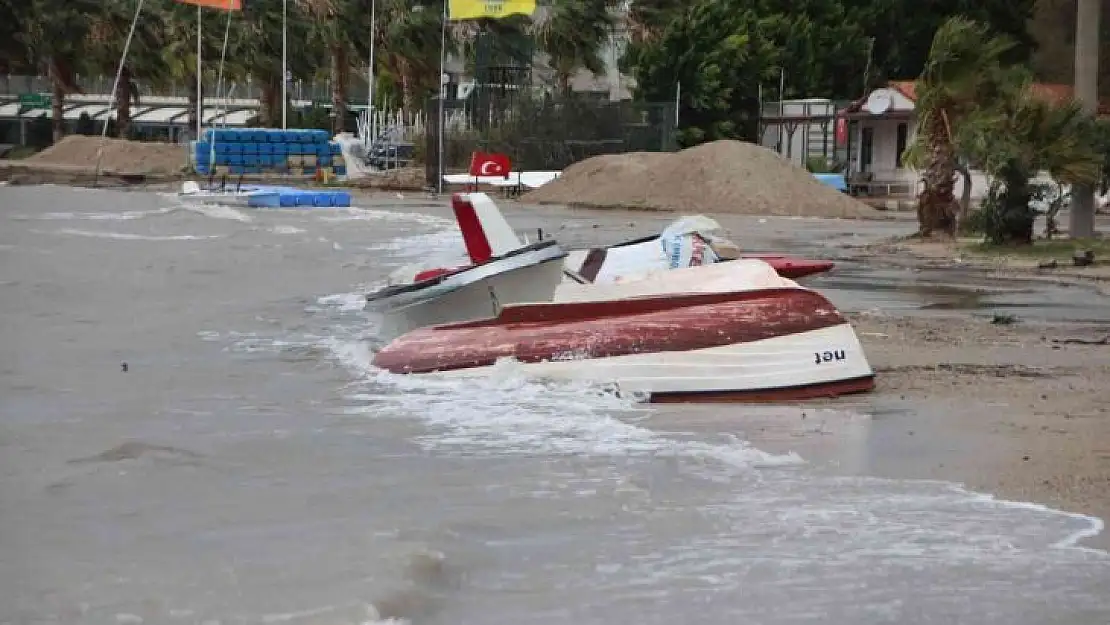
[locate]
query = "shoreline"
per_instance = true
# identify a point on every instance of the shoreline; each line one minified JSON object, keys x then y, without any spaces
{"x":1016,"y":410}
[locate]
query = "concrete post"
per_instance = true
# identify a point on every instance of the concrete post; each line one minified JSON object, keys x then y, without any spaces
{"x":1081,"y":222}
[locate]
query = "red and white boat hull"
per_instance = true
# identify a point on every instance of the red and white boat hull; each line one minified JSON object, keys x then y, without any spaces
{"x":768,"y":370}
{"x":762,"y":338}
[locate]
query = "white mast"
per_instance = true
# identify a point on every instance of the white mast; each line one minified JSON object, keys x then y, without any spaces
{"x":442,"y":95}
{"x":284,"y":62}
{"x":370,"y":73}
{"x":200,"y":95}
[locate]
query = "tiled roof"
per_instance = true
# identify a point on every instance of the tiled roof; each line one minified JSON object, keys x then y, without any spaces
{"x":1051,"y":92}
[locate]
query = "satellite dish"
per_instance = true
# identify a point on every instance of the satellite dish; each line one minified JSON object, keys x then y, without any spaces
{"x":465,"y":90}
{"x":878,"y":102}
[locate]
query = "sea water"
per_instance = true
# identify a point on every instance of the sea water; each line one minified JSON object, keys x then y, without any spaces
{"x":251,"y":466}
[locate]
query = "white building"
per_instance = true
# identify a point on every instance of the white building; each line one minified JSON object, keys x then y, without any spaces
{"x":877,"y":128}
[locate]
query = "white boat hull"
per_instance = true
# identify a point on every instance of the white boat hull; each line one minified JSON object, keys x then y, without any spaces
{"x":785,"y":366}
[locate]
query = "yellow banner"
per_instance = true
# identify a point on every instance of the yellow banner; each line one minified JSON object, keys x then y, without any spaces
{"x":492,"y":9}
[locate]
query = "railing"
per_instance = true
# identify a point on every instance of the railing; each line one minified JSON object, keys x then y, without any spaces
{"x":316,"y":91}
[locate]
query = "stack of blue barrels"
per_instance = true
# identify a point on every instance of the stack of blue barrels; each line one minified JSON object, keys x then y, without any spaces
{"x":267,"y":150}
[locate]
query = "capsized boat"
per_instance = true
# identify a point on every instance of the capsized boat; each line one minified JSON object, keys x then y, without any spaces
{"x":238,"y":196}
{"x":502,"y":270}
{"x":731,"y":331}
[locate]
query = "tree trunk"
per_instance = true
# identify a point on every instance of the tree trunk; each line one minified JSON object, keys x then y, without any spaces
{"x":408,"y":89}
{"x":1016,"y":218}
{"x":268,"y":103}
{"x":123,"y":103}
{"x":563,"y":80}
{"x":58,"y":101}
{"x":339,"y":75}
{"x":936,"y":205}
{"x":965,"y":194}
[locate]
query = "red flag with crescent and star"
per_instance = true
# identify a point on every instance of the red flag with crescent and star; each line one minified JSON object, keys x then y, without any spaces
{"x":489,"y":164}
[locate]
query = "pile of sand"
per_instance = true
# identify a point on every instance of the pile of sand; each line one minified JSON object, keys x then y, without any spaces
{"x":120,"y":155}
{"x":718,"y":177}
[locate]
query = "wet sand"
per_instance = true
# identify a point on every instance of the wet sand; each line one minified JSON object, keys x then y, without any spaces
{"x":1019,"y":410}
{"x":1022,"y":411}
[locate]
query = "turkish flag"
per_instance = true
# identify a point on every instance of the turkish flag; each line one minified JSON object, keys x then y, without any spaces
{"x":489,"y":164}
{"x":227,"y":5}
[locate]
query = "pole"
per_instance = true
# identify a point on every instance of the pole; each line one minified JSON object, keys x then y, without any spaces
{"x":284,"y":62}
{"x":370,"y":73}
{"x":1081,"y":218}
{"x":677,"y":96}
{"x":200,"y":94}
{"x":442,"y":65}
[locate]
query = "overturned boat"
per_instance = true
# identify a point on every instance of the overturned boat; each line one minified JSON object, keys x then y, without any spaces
{"x":731,"y":331}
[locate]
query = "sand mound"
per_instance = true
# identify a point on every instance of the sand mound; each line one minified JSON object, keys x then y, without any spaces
{"x":718,"y":177}
{"x":120,"y":155}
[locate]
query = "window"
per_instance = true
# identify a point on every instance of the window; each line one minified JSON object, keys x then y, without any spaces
{"x":903,"y":135}
{"x":867,"y":146}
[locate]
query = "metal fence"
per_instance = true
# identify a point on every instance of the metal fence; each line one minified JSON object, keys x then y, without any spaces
{"x":542,"y":133}
{"x":314,"y":90}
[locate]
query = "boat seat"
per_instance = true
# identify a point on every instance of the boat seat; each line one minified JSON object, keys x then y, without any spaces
{"x":428,"y":274}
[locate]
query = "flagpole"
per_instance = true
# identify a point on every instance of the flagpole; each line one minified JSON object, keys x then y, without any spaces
{"x":442,"y":94}
{"x":200,"y":95}
{"x":284,"y":61}
{"x":370,"y":73}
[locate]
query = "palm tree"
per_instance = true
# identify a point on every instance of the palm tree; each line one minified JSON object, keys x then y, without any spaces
{"x":409,"y":36}
{"x":175,"y":57}
{"x":52,"y":36}
{"x":338,"y":26}
{"x":256,"y":47}
{"x":572,"y":33}
{"x":646,"y":19}
{"x":104,"y":43}
{"x":963,"y":76}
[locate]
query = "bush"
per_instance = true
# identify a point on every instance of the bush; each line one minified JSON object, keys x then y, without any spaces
{"x":823,"y":165}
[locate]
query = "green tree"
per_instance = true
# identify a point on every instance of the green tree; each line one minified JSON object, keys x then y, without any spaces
{"x":256,"y":47}
{"x":723,"y":50}
{"x":903,"y":29}
{"x":719,"y":56}
{"x":572,"y":34}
